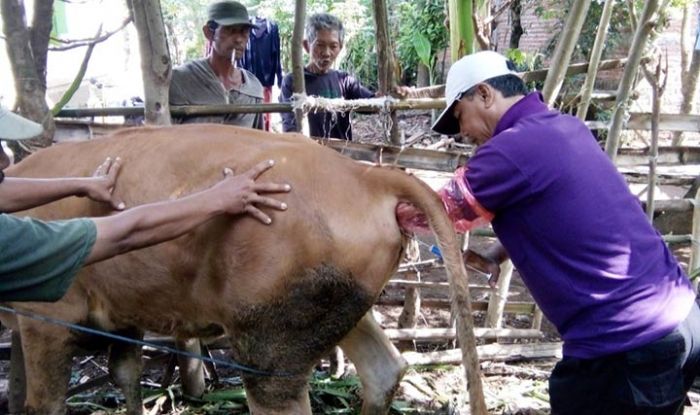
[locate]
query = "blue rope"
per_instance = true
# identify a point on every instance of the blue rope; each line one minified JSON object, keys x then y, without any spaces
{"x":232,"y":364}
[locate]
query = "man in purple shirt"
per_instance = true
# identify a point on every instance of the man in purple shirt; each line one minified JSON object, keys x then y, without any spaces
{"x":580,"y":240}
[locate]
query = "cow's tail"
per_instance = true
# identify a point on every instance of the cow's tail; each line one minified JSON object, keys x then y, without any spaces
{"x":412,"y":190}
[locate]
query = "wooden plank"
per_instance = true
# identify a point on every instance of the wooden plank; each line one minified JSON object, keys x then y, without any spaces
{"x":511,"y":307}
{"x":426,"y":334}
{"x":495,"y":352}
{"x":436,"y":285}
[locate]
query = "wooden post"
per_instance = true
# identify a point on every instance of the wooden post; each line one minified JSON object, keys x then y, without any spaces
{"x":385,"y":67}
{"x":499,"y":296}
{"x":155,"y":59}
{"x":624,"y":90}
{"x":537,"y":319}
{"x":694,"y":262}
{"x":565,"y":47}
{"x":657,"y":88}
{"x":594,"y":61}
{"x":298,"y":57}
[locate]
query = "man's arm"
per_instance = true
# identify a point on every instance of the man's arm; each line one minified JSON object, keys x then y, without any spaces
{"x":488,"y":261}
{"x":23,"y":193}
{"x":158,"y":222}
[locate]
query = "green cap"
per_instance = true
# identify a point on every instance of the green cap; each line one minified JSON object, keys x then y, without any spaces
{"x":229,"y":13}
{"x":14,"y":127}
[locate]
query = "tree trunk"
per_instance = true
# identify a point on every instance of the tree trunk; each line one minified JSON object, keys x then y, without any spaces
{"x":594,"y":61}
{"x":482,"y":23}
{"x":40,"y":33}
{"x":422,"y":76}
{"x":641,"y":34}
{"x":385,"y":66}
{"x":516,"y":30}
{"x":298,"y":57}
{"x":155,"y":59}
{"x":565,"y":47}
{"x":30,"y":84}
{"x":689,"y":71}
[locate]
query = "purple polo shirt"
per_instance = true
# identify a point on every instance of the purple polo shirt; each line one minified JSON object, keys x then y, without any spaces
{"x":579,"y":238}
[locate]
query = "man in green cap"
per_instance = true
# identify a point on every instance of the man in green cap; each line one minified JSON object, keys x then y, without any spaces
{"x":38,"y":260}
{"x":215,"y":79}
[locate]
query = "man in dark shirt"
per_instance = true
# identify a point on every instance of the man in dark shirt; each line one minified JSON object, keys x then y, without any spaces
{"x":324,"y":41}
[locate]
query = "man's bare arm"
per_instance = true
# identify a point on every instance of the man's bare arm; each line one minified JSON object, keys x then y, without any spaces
{"x":158,"y":222}
{"x":25,"y":193}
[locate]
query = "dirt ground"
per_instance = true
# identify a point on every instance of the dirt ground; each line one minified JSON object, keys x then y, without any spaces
{"x":513,"y":387}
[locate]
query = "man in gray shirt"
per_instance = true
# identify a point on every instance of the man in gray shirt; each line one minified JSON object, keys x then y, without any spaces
{"x":214,"y":79}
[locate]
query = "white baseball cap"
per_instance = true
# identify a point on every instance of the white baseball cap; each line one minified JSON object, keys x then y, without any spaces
{"x":465,"y":73}
{"x":14,"y":127}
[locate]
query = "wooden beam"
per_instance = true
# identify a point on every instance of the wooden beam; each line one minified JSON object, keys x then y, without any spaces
{"x":496,"y":352}
{"x":511,"y":307}
{"x":642,"y":121}
{"x":426,"y":334}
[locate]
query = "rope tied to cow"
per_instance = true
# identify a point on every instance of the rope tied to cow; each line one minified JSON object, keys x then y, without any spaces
{"x":232,"y":364}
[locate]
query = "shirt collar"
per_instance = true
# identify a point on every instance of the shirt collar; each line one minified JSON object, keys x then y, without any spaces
{"x":532,"y":103}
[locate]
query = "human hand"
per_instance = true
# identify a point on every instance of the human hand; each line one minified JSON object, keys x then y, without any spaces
{"x":403,"y":92}
{"x":100,"y":187}
{"x":242,"y":194}
{"x":483,"y":264}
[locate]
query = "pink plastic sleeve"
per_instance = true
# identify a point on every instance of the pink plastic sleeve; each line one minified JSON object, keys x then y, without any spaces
{"x":462,"y":208}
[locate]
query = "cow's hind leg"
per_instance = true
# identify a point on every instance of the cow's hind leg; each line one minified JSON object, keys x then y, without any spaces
{"x":125,"y":367}
{"x":290,"y":333}
{"x":379,"y":364}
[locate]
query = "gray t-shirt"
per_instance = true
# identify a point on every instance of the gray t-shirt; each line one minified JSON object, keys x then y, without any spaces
{"x":195,"y":83}
{"x":39,"y":260}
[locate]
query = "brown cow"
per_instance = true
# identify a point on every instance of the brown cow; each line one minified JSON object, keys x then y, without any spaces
{"x":284,"y":294}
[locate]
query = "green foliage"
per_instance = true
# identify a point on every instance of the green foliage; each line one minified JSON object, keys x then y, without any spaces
{"x":416,"y":22}
{"x":361,"y":57}
{"x":183,"y":20}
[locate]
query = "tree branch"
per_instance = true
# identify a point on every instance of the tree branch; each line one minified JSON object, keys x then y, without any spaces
{"x":72,"y":44}
{"x":505,"y":5}
{"x":480,"y":31}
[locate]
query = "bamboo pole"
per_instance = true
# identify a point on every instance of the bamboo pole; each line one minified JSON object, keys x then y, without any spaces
{"x":497,"y":352}
{"x":385,"y":67}
{"x":594,"y":61}
{"x":537,"y":319}
{"x":564,"y":49}
{"x":499,"y":296}
{"x":694,"y":261}
{"x":424,"y":334}
{"x":298,"y":58}
{"x":624,"y":90}
{"x":657,"y":87}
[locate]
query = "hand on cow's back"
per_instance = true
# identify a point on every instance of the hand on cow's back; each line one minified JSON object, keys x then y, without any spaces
{"x":100,"y":187}
{"x":242,"y":193}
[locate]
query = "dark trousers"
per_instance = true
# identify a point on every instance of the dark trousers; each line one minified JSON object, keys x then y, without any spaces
{"x":651,"y":379}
